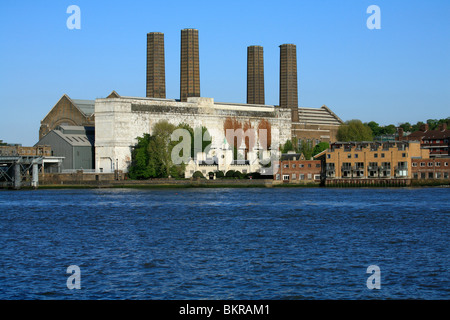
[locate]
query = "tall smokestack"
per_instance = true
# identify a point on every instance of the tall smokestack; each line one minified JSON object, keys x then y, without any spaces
{"x":190,"y":65}
{"x":156,"y":77}
{"x":288,"y":79}
{"x":255,"y":75}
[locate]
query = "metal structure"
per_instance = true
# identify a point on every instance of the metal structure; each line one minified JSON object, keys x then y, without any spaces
{"x":18,"y":171}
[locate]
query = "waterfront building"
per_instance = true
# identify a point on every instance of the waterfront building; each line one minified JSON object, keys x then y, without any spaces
{"x":372,"y":160}
{"x":67,"y":111}
{"x":437,"y":141}
{"x":431,"y":169}
{"x":73,"y":143}
{"x":294,"y":168}
{"x":120,"y":120}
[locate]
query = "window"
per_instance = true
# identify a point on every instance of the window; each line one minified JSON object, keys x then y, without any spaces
{"x":328,"y":156}
{"x":285,"y":177}
{"x":302,"y":165}
{"x":317,"y":177}
{"x":309,"y":176}
{"x":302,"y":177}
{"x":382,"y":155}
{"x":414,"y":164}
{"x":359,"y":165}
{"x":356,"y":155}
{"x":437,"y":164}
{"x":286,"y":166}
{"x":309,"y":165}
{"x":422,"y":175}
{"x":416,"y":176}
{"x":445,"y":164}
{"x":430,"y":175}
{"x":349,"y":155}
{"x":375,"y":155}
{"x":430,"y":164}
{"x":317,"y":165}
{"x":445,"y":175}
{"x":278,"y":176}
{"x":294,"y":176}
{"x":438,"y":175}
{"x":422,"y":164}
{"x":293,"y":165}
{"x":403,"y":155}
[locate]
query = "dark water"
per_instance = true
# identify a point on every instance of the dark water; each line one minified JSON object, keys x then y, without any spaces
{"x":225,"y":243}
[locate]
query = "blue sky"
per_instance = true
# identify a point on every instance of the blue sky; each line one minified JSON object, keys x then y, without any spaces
{"x":396,"y":74}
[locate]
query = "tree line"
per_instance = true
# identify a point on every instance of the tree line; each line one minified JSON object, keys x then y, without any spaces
{"x":356,"y":130}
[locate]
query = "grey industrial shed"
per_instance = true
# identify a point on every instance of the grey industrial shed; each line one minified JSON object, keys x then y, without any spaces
{"x":74,"y":143}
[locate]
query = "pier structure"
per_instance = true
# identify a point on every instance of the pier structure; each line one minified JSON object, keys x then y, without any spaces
{"x":23,"y":171}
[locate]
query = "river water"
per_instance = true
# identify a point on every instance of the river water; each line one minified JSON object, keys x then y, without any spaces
{"x":261,"y":243}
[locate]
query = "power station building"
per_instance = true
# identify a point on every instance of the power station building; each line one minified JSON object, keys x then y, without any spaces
{"x":119,"y":120}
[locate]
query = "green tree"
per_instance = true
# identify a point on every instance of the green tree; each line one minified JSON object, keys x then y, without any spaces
{"x":307,"y":149}
{"x":354,"y":130}
{"x":197,"y":174}
{"x":406,"y":126}
{"x":140,"y":168}
{"x":152,"y":155}
{"x":321,"y":146}
{"x":287,"y":147}
{"x":229,"y":173}
{"x":220,"y":174}
{"x":375,"y":127}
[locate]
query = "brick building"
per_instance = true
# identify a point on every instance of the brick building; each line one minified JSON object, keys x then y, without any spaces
{"x":372,"y":160}
{"x":294,"y":168}
{"x":67,"y":111}
{"x":437,"y":141}
{"x":17,"y":150}
{"x":431,"y":168}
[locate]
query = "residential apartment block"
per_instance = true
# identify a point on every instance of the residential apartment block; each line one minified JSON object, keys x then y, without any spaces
{"x":372,"y":160}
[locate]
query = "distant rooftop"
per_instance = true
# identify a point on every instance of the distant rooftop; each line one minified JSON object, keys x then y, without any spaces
{"x":85,"y":106}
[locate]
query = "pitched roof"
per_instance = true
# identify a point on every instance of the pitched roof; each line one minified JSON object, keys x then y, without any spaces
{"x":76,"y":136}
{"x":429,"y":134}
{"x":321,"y":116}
{"x":87,"y":107}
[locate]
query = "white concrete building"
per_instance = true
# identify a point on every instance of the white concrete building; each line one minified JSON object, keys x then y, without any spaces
{"x":120,"y":120}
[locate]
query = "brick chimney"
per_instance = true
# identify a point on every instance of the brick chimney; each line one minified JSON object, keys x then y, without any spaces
{"x":424,"y":127}
{"x":400,"y":134}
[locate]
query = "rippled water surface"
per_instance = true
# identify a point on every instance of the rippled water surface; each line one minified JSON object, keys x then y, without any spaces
{"x":282,"y":243}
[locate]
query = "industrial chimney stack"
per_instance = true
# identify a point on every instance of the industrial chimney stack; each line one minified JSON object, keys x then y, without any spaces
{"x":190,"y":65}
{"x":255,"y":75}
{"x":288,"y":79}
{"x":156,"y":78}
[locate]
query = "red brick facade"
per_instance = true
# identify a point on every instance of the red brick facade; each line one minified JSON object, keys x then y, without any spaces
{"x":432,"y":168}
{"x":298,"y":171}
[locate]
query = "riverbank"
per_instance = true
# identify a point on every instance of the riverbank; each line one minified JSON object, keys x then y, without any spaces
{"x":220,"y":183}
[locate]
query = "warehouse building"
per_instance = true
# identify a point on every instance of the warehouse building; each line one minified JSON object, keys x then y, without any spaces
{"x":74,"y":143}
